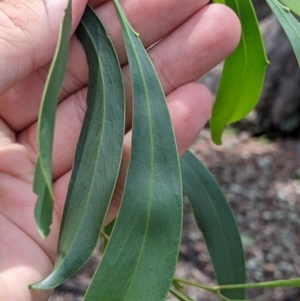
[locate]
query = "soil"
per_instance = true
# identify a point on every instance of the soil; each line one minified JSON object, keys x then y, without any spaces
{"x":261,"y":179}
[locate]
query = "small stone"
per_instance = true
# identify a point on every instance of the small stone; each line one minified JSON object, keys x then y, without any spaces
{"x":252,"y":264}
{"x":269,"y":267}
{"x":264,"y":162}
{"x":195,"y":235}
{"x":266,"y":215}
{"x":235,"y":189}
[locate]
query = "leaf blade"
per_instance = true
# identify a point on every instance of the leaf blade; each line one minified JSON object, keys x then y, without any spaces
{"x":45,"y":127}
{"x":93,"y":179}
{"x":243,"y":73}
{"x":217,"y":223}
{"x":289,"y":24}
{"x":294,"y":5}
{"x":139,"y":262}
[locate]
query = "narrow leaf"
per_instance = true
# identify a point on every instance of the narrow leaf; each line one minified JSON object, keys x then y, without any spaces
{"x":42,"y":184}
{"x":289,"y":24}
{"x":98,"y":154}
{"x":243,"y":73}
{"x":140,"y":258}
{"x":293,"y":5}
{"x":217,"y":223}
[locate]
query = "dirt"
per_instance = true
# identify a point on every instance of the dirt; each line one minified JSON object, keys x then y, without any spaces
{"x":261,"y":180}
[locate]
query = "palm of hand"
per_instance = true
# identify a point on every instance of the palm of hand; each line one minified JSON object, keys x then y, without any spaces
{"x":24,"y":256}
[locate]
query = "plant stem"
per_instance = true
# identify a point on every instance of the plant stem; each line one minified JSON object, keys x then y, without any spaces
{"x":179,"y":296}
{"x":105,"y":236}
{"x":266,"y":284}
{"x":225,"y":298}
{"x":294,"y":282}
{"x":199,"y":285}
{"x":179,"y":287}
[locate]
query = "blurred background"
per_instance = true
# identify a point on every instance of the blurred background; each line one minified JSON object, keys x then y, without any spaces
{"x":258,"y":169}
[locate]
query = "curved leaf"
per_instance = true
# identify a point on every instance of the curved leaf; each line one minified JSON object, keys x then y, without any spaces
{"x":217,"y":223}
{"x":140,"y":258}
{"x":42,"y":184}
{"x":98,"y":154}
{"x":243,"y":73}
{"x":289,"y":23}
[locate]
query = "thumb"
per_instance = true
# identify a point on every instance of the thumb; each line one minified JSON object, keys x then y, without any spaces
{"x":28,"y":35}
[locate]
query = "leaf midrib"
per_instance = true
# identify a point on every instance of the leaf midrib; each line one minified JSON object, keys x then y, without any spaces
{"x":150,"y":194}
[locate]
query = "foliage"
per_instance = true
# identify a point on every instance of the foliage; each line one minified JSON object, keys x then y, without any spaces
{"x":141,"y":253}
{"x":244,"y":70}
{"x":42,"y":185}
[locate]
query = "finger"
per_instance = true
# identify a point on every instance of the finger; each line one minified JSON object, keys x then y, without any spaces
{"x":153,"y":19}
{"x":71,"y":112}
{"x":28,"y":35}
{"x":22,"y":262}
{"x":192,"y":50}
{"x":189,"y":108}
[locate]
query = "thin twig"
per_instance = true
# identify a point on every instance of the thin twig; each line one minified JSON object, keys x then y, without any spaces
{"x":104,"y":235}
{"x":179,"y":296}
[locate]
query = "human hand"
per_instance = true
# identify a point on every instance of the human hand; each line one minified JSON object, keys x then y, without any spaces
{"x":196,"y":38}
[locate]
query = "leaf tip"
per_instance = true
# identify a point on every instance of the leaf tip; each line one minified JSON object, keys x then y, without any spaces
{"x":43,"y":232}
{"x":216,"y":136}
{"x":31,"y":287}
{"x":44,"y":284}
{"x":35,"y":286}
{"x":42,"y":226}
{"x":217,"y":140}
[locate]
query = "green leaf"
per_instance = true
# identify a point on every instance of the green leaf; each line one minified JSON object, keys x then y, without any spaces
{"x":217,"y":223}
{"x":289,"y":23}
{"x":219,"y":1}
{"x":243,"y":73}
{"x":107,"y":232}
{"x":44,"y":205}
{"x":140,"y":258}
{"x":294,"y":5}
{"x":42,"y":184}
{"x":98,"y":155}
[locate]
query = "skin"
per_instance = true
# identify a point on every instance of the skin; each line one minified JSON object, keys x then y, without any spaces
{"x":196,"y":36}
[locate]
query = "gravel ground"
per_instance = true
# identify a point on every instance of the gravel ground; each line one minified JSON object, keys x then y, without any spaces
{"x":261,"y":180}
